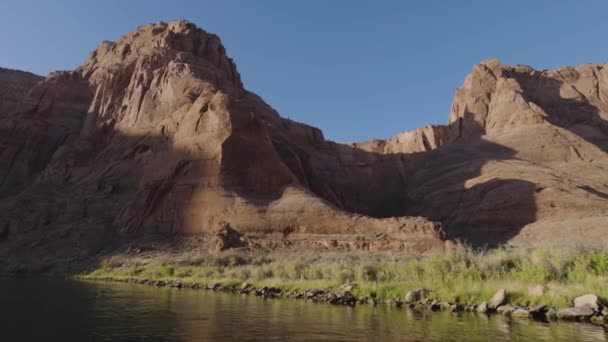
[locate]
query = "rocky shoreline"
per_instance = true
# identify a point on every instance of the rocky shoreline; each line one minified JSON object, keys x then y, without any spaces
{"x":586,"y":308}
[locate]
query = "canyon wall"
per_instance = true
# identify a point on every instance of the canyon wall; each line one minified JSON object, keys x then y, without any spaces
{"x":156,"y":134}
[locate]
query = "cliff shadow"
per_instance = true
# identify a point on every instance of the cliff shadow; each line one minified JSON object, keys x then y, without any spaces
{"x":460,"y":185}
{"x":111,"y":192}
{"x":105,"y":194}
{"x":447,"y":185}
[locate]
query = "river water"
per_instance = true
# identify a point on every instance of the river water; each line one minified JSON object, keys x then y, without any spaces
{"x":62,"y":310}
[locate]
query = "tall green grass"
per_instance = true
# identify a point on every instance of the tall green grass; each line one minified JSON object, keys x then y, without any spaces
{"x":462,"y":276}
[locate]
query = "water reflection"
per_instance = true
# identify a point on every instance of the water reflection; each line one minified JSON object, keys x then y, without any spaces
{"x":58,"y":310}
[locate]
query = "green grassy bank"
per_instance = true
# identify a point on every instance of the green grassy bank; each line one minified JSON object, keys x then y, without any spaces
{"x":462,"y":276}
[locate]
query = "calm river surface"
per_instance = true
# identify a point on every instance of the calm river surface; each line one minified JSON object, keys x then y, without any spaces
{"x":61,"y":310}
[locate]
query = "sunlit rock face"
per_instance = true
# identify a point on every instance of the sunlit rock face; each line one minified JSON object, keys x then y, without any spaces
{"x":525,"y":157}
{"x":155,"y":133}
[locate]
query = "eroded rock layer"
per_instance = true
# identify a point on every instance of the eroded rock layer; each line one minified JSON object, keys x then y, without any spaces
{"x":155,"y":134}
{"x":526,"y":157}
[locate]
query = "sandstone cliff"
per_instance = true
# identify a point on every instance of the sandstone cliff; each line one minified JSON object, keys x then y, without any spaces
{"x":526,"y":157}
{"x":156,"y":134}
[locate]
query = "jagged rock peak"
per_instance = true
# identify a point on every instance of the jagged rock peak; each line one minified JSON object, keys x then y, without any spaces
{"x":496,"y":97}
{"x":146,"y":76}
{"x":179,"y":41}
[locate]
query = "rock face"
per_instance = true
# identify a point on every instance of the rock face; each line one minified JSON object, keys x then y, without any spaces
{"x":495,"y":97}
{"x":156,"y":134}
{"x":14,"y":86}
{"x":421,"y":140}
{"x":525,"y":157}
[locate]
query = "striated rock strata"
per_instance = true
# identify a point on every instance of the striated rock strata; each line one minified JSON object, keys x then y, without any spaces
{"x":525,"y":159}
{"x":155,"y":134}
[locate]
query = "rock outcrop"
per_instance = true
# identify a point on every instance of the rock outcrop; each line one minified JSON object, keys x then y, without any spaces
{"x":495,"y":98}
{"x":421,"y":140}
{"x":525,"y":157}
{"x":156,"y":134}
{"x":227,"y":238}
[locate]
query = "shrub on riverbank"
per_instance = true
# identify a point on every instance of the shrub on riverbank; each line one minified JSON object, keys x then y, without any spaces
{"x":552,"y":276}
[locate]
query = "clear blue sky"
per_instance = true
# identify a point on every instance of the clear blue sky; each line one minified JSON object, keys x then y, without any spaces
{"x":356,"y":69}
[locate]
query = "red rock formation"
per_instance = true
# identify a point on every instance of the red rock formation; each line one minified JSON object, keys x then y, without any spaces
{"x":527,"y":157}
{"x":421,"y":140}
{"x":156,"y":134}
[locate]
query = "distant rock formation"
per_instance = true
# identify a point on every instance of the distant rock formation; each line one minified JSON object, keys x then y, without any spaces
{"x":421,"y":140}
{"x":155,"y":134}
